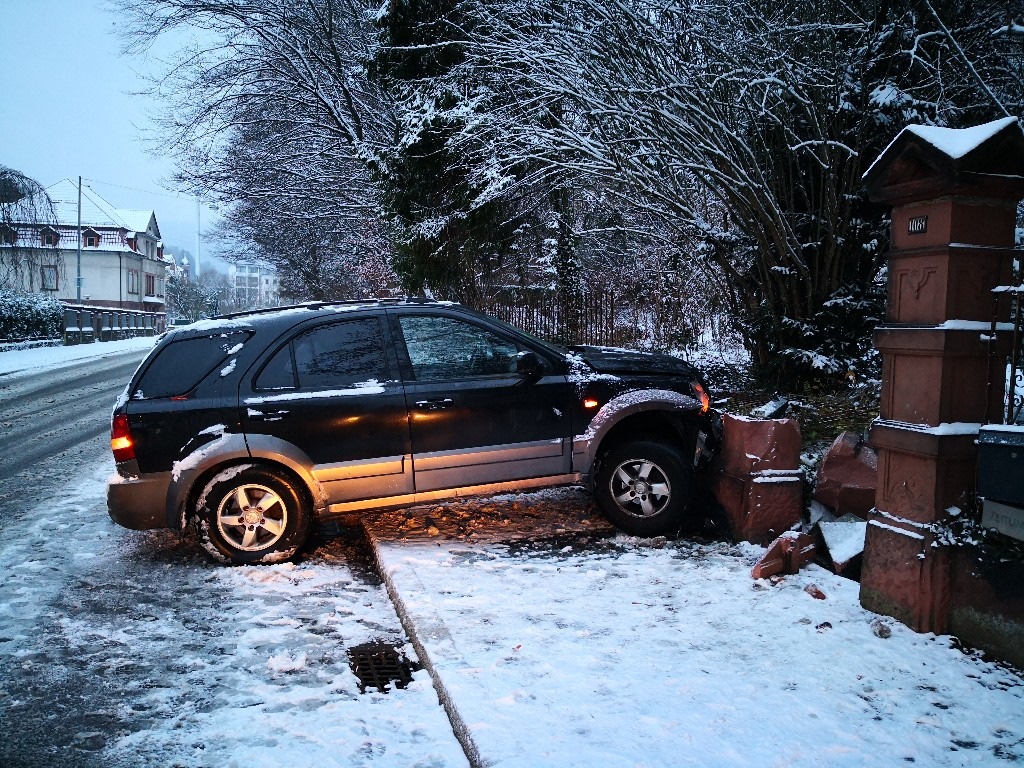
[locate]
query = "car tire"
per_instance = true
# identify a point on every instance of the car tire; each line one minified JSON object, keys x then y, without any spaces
{"x":644,"y":487}
{"x":249,"y":514}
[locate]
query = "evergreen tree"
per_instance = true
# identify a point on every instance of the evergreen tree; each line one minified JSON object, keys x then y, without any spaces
{"x":449,"y":242}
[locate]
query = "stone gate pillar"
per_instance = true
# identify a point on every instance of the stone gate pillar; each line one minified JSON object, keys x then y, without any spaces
{"x":954,"y":196}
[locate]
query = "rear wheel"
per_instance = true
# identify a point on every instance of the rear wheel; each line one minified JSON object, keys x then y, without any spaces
{"x":644,"y":487}
{"x":251,"y":515}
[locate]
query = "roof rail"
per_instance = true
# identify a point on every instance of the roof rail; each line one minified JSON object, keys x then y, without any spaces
{"x":380,"y":301}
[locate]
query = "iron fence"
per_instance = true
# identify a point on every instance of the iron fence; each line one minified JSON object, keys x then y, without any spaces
{"x":1013,"y":389}
{"x":578,"y":318}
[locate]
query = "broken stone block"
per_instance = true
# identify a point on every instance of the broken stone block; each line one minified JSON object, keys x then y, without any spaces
{"x":757,"y":479}
{"x":759,"y":506}
{"x":771,"y":410}
{"x":815,"y":591}
{"x":787,"y":554}
{"x":841,"y":544}
{"x":816,"y":512}
{"x":754,"y":445}
{"x":848,"y":476}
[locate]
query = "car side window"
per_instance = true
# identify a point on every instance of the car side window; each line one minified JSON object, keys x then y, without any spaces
{"x":331,"y":356}
{"x":447,"y":348}
{"x":279,"y":372}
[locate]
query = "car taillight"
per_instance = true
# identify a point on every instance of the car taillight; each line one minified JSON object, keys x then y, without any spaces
{"x":121,"y":439}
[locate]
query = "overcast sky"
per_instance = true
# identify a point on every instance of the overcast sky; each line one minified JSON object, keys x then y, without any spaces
{"x":67,"y":110}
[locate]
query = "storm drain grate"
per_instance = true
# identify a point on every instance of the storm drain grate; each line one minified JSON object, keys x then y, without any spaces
{"x":379,"y":665}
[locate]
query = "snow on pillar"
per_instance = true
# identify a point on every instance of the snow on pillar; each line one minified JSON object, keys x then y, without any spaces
{"x":954,"y":195}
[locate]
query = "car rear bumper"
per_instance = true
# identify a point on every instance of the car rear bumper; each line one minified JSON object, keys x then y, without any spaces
{"x":138,"y":503}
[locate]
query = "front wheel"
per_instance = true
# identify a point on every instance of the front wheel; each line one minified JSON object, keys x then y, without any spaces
{"x":250,"y":515}
{"x":644,"y":487}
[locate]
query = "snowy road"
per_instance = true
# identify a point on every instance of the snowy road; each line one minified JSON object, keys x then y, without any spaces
{"x":45,"y":416}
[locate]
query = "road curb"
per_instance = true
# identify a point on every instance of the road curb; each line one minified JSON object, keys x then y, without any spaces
{"x":437,"y":629}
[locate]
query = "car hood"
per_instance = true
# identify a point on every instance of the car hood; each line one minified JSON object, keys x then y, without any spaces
{"x":613,"y":360}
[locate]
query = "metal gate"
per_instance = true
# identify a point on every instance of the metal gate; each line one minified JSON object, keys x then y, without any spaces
{"x":1013,"y":382}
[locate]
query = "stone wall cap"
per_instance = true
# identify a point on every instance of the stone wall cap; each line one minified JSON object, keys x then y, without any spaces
{"x":947,"y":325}
{"x":945,"y":428}
{"x":922,"y":159}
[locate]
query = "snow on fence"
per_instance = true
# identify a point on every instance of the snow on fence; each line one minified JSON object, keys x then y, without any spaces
{"x":85,"y":324}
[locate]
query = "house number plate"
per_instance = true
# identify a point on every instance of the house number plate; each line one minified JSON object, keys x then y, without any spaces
{"x":918,"y":225}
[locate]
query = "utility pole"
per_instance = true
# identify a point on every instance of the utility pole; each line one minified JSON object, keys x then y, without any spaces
{"x":197,"y":237}
{"x":78,"y":276}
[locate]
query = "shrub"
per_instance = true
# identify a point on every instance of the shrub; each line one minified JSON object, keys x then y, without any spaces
{"x":29,"y":316}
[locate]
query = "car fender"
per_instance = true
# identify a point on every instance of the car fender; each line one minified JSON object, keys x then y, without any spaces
{"x":277,"y":451}
{"x":620,"y":407}
{"x":233,"y":448}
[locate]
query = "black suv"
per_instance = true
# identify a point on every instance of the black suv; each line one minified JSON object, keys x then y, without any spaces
{"x":250,"y":426}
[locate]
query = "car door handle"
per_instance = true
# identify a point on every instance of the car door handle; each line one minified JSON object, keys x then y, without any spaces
{"x":275,"y":415}
{"x":434,"y":405}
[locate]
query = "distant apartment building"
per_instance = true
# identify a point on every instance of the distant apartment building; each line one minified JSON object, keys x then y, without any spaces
{"x":122,"y":262}
{"x":254,"y":285}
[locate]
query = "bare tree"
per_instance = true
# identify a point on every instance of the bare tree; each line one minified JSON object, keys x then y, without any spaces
{"x":273,"y":116}
{"x":25,"y":210}
{"x":743,"y":130}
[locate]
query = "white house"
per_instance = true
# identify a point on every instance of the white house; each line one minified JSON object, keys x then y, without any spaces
{"x":122,"y":261}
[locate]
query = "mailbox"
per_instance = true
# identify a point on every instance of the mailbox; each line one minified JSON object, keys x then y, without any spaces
{"x":1001,"y":463}
{"x":1001,"y":478}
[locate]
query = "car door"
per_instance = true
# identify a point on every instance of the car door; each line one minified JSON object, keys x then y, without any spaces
{"x":474,"y":420}
{"x":329,"y":391}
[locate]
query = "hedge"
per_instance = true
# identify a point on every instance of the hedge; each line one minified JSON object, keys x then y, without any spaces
{"x":29,"y":316}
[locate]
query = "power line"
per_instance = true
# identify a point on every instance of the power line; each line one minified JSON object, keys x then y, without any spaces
{"x":177,"y":195}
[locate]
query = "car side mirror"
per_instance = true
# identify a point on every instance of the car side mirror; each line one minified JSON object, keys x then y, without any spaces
{"x":528,"y":365}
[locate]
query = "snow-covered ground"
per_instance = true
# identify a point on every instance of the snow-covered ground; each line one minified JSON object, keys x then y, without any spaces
{"x":24,"y":361}
{"x":133,"y":649}
{"x":605,"y":650}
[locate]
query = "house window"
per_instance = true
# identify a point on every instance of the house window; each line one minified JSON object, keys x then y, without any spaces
{"x":133,"y":281}
{"x":92,"y":240}
{"x":7,"y":235}
{"x":150,"y":285}
{"x":49,"y":277}
{"x":50,"y":237}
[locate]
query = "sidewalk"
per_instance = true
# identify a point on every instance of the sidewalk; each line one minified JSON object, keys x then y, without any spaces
{"x":555,"y":642}
{"x":17,"y":361}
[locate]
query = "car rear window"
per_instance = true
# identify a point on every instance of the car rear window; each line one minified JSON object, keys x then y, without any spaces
{"x":181,"y":365}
